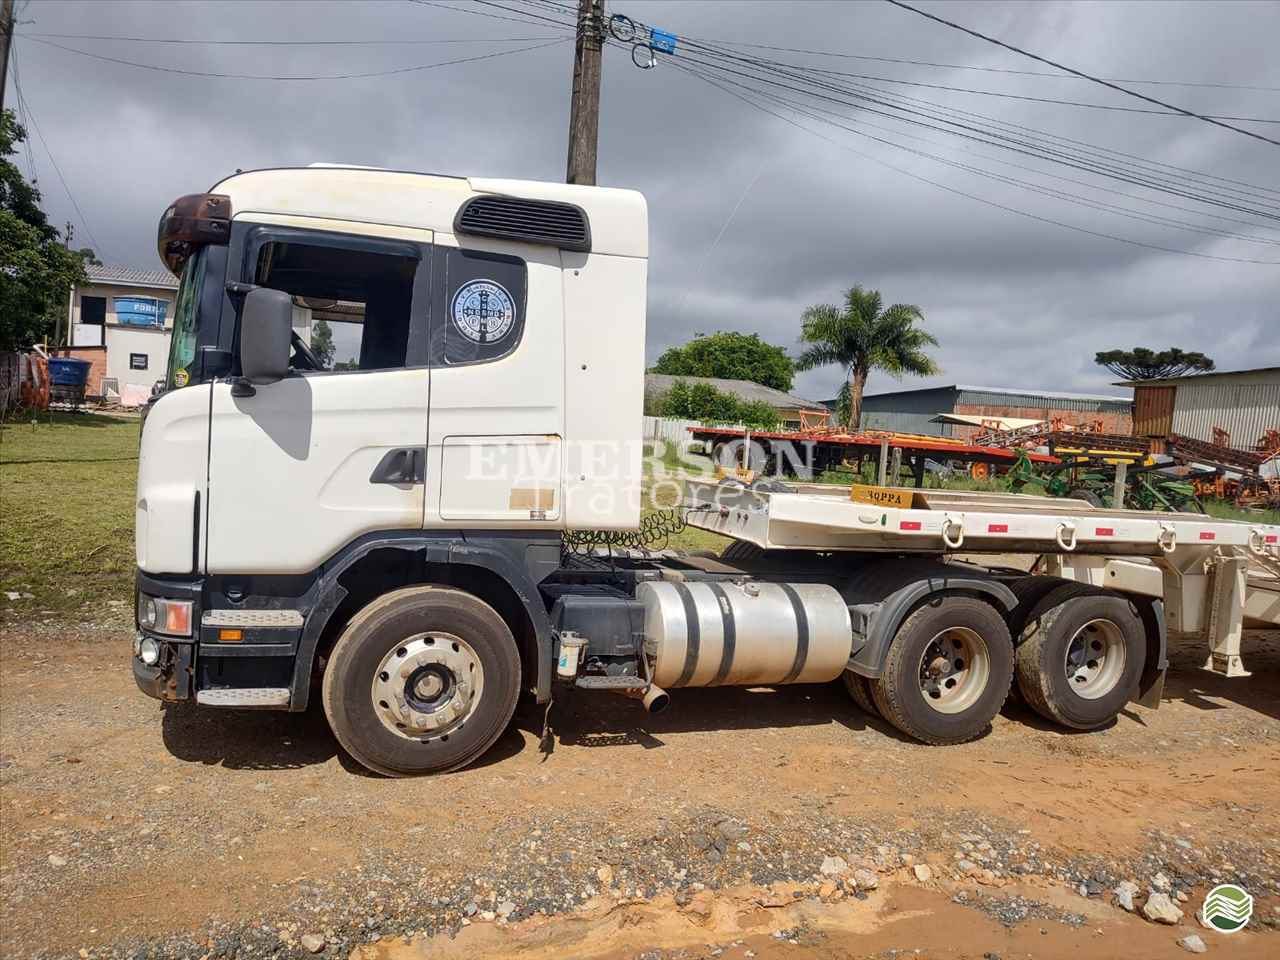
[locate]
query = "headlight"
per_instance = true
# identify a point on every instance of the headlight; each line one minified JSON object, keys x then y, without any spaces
{"x":149,"y":651}
{"x":165,"y":616}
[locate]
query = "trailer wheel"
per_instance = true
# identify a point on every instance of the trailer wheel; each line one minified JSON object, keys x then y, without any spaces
{"x":1081,"y":656}
{"x":422,"y":680}
{"x":1030,"y":591}
{"x":947,"y":672}
{"x":859,"y":688}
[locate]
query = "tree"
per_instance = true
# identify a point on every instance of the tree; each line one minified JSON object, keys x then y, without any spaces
{"x":322,"y":342}
{"x":863,"y":336}
{"x":36,"y":270}
{"x":1141,"y":363}
{"x":704,"y":403}
{"x":730,"y":356}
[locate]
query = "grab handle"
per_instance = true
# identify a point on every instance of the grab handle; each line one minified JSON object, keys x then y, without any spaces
{"x":947,"y":525}
{"x":1064,"y":527}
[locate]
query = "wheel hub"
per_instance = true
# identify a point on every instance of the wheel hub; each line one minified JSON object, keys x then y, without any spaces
{"x":954,"y":670}
{"x":1095,"y":659}
{"x":427,"y":686}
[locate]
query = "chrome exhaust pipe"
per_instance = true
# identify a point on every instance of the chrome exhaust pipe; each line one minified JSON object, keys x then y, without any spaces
{"x":653,"y":698}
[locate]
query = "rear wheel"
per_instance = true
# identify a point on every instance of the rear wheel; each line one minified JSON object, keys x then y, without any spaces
{"x":948,"y":671}
{"x":859,"y":688}
{"x":422,"y":680}
{"x":1081,"y":657}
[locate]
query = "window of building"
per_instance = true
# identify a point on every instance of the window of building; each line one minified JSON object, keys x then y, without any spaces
{"x":483,"y":308}
{"x":93,"y":310}
{"x":352,"y":304}
{"x":137,"y":361}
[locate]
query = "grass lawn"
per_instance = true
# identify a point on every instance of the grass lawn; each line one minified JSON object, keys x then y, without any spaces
{"x":67,"y":500}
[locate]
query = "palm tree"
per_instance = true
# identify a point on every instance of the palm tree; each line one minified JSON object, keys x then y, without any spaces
{"x":864,"y":336}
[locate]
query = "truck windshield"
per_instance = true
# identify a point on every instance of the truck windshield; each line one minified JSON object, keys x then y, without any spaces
{"x":182,"y":345}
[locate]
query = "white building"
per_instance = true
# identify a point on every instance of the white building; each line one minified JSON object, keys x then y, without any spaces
{"x":120,"y":322}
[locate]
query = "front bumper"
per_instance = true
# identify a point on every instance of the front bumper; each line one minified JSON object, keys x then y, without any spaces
{"x":170,"y":678}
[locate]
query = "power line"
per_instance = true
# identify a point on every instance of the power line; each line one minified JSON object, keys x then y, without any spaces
{"x":1018,"y":96}
{"x":480,"y":13}
{"x":84,"y":222}
{"x":787,"y":70}
{"x":255,"y":76}
{"x":22,"y":117}
{"x":1005,"y":70}
{"x":971,"y":196}
{"x":276,"y":43}
{"x":1106,"y":83}
{"x":1114,"y":209}
{"x":1217,"y":196}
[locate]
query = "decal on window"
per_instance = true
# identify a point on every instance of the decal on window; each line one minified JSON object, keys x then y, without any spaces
{"x":483,"y":311}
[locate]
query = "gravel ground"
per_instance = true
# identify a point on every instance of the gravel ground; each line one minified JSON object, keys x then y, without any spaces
{"x":134,"y":831}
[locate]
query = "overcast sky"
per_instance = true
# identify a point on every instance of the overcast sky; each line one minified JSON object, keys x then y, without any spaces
{"x":1014,"y":301}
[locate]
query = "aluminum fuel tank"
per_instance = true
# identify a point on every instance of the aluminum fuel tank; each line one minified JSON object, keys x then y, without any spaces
{"x":712,"y":633}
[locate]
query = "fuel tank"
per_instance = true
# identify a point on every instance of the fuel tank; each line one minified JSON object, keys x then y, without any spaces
{"x":713,"y":633}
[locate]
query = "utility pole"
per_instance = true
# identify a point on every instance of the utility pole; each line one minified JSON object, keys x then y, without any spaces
{"x":584,"y":111}
{"x":6,"y":37}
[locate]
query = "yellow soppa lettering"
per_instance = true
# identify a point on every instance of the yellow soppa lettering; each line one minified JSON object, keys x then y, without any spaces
{"x":882,"y":496}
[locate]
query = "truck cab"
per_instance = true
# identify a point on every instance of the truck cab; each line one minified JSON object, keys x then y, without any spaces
{"x":379,"y":378}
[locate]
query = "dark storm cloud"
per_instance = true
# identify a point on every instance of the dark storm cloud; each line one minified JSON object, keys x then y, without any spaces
{"x":1013,"y":301}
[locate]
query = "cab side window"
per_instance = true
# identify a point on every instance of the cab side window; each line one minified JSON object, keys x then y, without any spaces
{"x":482,"y":310}
{"x":352,"y":306}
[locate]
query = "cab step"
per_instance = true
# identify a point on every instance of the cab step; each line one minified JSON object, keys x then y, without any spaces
{"x":611,"y":683}
{"x":259,"y":697}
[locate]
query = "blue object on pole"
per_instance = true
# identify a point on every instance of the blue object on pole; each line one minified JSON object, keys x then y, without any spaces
{"x":662,"y":41}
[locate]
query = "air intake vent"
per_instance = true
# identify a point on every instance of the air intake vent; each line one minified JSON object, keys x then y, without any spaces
{"x":560,"y":225}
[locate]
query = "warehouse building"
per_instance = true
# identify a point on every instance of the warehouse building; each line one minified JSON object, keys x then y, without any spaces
{"x":961,"y":410}
{"x":1239,"y":409}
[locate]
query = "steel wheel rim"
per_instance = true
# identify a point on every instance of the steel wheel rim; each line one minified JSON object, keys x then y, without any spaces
{"x":955,"y":668}
{"x":1095,"y":659}
{"x":427,"y":686}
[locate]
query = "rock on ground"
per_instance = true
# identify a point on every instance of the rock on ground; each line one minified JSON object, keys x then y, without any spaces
{"x":312,"y":942}
{"x":1192,"y":943}
{"x":1124,"y":892}
{"x":1160,"y":909}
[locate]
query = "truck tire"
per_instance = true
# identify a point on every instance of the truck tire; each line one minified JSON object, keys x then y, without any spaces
{"x":859,"y":688}
{"x":740,"y":551}
{"x":1029,"y":591}
{"x":422,"y":680}
{"x":948,"y":671}
{"x":1081,"y":656}
{"x":1088,"y":496}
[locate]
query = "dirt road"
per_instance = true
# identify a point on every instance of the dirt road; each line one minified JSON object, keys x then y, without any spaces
{"x":131,"y":830}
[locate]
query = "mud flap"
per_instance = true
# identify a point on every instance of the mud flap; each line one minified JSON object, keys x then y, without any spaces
{"x":1151,"y":684}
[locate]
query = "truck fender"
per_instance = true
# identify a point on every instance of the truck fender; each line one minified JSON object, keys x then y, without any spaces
{"x":498,"y":555}
{"x":876,"y":621}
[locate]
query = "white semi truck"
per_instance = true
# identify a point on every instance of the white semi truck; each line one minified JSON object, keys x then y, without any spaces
{"x":392,"y":397}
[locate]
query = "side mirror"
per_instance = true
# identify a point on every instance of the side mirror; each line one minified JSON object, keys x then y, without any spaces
{"x":266,"y":332}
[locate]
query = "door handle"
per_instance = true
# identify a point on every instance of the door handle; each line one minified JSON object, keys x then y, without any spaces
{"x":402,"y":465}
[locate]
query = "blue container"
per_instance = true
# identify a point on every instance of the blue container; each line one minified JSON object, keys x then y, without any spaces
{"x":68,"y":372}
{"x":140,"y":311}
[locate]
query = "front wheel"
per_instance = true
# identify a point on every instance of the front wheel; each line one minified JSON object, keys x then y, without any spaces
{"x":422,"y":680}
{"x":947,"y":672}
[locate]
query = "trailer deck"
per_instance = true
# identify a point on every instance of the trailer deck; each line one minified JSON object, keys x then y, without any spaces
{"x":824,"y":517}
